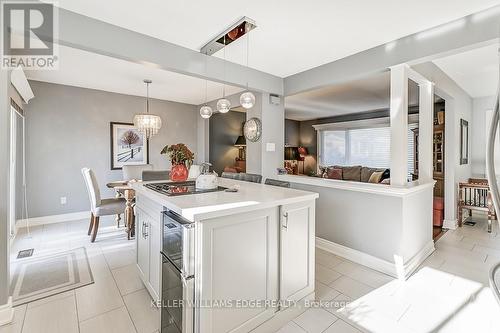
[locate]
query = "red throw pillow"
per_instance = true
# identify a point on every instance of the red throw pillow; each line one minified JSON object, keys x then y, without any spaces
{"x":333,"y":173}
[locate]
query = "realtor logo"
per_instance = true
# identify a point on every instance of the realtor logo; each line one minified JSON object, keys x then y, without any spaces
{"x":28,"y":34}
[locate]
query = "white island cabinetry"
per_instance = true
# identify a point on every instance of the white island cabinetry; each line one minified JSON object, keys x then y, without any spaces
{"x":252,"y":249}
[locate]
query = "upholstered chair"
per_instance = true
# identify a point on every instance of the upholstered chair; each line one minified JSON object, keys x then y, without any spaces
{"x":276,"y":182}
{"x":247,"y":177}
{"x":99,"y":207}
{"x":151,"y":175}
{"x":135,"y":171}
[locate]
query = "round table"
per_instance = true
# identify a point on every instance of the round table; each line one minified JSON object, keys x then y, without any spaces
{"x":123,"y":190}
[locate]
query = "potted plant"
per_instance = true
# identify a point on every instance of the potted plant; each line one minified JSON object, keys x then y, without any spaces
{"x":180,"y":157}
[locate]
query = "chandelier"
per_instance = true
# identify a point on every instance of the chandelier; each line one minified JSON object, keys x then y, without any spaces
{"x":147,"y":123}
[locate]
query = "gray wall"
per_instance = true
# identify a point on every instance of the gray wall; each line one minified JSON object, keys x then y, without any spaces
{"x":292,"y":132}
{"x":224,"y":129}
{"x":68,"y":129}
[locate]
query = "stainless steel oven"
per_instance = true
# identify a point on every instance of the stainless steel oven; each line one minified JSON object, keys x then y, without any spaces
{"x":177,"y":312}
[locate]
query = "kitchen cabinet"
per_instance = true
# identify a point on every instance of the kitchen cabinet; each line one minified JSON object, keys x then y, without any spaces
{"x":239,"y":262}
{"x":148,"y":238}
{"x":297,"y":250}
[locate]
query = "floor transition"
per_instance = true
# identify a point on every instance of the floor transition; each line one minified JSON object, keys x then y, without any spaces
{"x":449,"y":292}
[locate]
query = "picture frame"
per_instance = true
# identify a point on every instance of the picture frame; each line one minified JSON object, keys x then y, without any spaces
{"x":128,"y":146}
{"x":464,"y":142}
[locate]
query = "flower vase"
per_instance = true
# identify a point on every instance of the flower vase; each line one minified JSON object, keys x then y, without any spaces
{"x":179,"y":173}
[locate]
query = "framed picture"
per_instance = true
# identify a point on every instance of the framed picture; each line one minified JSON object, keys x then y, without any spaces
{"x":128,"y":146}
{"x":464,"y":141}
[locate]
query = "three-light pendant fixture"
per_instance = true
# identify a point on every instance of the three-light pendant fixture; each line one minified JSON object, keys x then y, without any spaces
{"x":247,"y":98}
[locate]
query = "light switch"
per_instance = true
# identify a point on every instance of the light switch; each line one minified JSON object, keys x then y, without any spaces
{"x":270,"y":146}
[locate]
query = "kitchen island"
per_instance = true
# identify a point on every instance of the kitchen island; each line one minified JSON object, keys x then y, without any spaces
{"x":237,"y":260}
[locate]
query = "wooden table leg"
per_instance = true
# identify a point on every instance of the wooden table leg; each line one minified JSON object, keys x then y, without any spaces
{"x":118,"y":217}
{"x":129,"y":212}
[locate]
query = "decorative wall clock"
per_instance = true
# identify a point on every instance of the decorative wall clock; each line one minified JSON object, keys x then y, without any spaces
{"x":252,"y":129}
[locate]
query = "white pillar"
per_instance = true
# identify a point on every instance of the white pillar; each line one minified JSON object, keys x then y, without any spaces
{"x":399,"y":125}
{"x":426,"y":132}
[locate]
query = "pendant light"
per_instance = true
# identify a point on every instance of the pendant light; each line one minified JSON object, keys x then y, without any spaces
{"x":223,"y":104}
{"x":206,"y":111}
{"x":247,"y":99}
{"x":147,"y":123}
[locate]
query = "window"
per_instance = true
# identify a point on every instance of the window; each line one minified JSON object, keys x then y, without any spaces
{"x":370,"y":147}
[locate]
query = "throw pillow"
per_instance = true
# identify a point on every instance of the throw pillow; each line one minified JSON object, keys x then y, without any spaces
{"x":351,"y":173}
{"x":333,"y":173}
{"x":375,"y":177}
{"x":386,"y":181}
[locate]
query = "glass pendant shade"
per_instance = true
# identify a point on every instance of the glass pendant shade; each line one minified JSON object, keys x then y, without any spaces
{"x":147,"y":123}
{"x":206,"y":111}
{"x":247,"y":100}
{"x":223,"y":105}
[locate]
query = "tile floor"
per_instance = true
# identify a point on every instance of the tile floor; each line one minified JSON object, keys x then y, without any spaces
{"x":448,"y":293}
{"x":116,"y":302}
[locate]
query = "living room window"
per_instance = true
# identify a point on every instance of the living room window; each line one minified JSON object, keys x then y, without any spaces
{"x":370,"y":147}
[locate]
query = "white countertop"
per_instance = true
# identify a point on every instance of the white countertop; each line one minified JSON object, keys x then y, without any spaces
{"x":250,"y":196}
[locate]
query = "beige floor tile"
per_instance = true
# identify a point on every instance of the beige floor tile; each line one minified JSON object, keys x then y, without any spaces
{"x":145,"y":316}
{"x":97,"y":298}
{"x":327,"y":259}
{"x":350,"y":287}
{"x":315,"y":320}
{"x":370,"y":277}
{"x":115,"y":321}
{"x":326,"y":275}
{"x":58,"y":316}
{"x":341,"y":326}
{"x":69,"y":293}
{"x":17,"y":322}
{"x":127,"y":279}
{"x":120,"y":257}
{"x":324,"y":292}
{"x":291,"y":327}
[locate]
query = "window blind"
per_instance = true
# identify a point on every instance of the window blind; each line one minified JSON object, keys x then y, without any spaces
{"x":370,"y":147}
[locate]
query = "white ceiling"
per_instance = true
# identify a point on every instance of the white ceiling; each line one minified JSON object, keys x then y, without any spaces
{"x":475,"y":71}
{"x":89,"y":70}
{"x":371,"y":93}
{"x":368,"y":94}
{"x":292,"y":36}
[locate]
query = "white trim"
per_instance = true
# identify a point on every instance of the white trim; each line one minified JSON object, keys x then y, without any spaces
{"x":397,"y":269}
{"x":450,"y":224}
{"x":382,"y":189}
{"x":53,"y":219}
{"x":20,"y":82}
{"x":6,"y":312}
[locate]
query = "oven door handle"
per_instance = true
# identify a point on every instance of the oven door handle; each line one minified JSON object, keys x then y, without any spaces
{"x":188,"y":306}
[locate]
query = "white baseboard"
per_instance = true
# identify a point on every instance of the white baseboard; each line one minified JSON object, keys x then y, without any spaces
{"x":450,"y":224}
{"x":52,"y":219}
{"x":396,"y":269}
{"x":6,"y":312}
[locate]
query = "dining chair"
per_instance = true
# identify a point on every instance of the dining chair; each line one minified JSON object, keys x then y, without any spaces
{"x":151,"y":175}
{"x":275,"y":182}
{"x":99,"y":207}
{"x":247,"y":177}
{"x":135,"y":171}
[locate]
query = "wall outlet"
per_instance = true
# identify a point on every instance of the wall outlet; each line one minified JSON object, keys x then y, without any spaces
{"x":63,"y":200}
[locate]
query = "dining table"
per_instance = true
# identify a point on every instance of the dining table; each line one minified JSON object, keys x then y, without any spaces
{"x":123,"y":189}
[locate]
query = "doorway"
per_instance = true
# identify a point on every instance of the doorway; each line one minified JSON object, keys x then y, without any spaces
{"x":16,"y":167}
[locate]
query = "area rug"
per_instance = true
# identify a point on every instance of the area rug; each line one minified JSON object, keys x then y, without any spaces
{"x":40,"y":277}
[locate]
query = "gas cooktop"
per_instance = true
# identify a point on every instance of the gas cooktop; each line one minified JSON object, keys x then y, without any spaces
{"x":180,"y":188}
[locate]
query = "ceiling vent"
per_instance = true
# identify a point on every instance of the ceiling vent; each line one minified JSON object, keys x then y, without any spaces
{"x":234,"y":32}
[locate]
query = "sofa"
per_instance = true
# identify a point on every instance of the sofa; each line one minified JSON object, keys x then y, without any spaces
{"x":356,"y":173}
